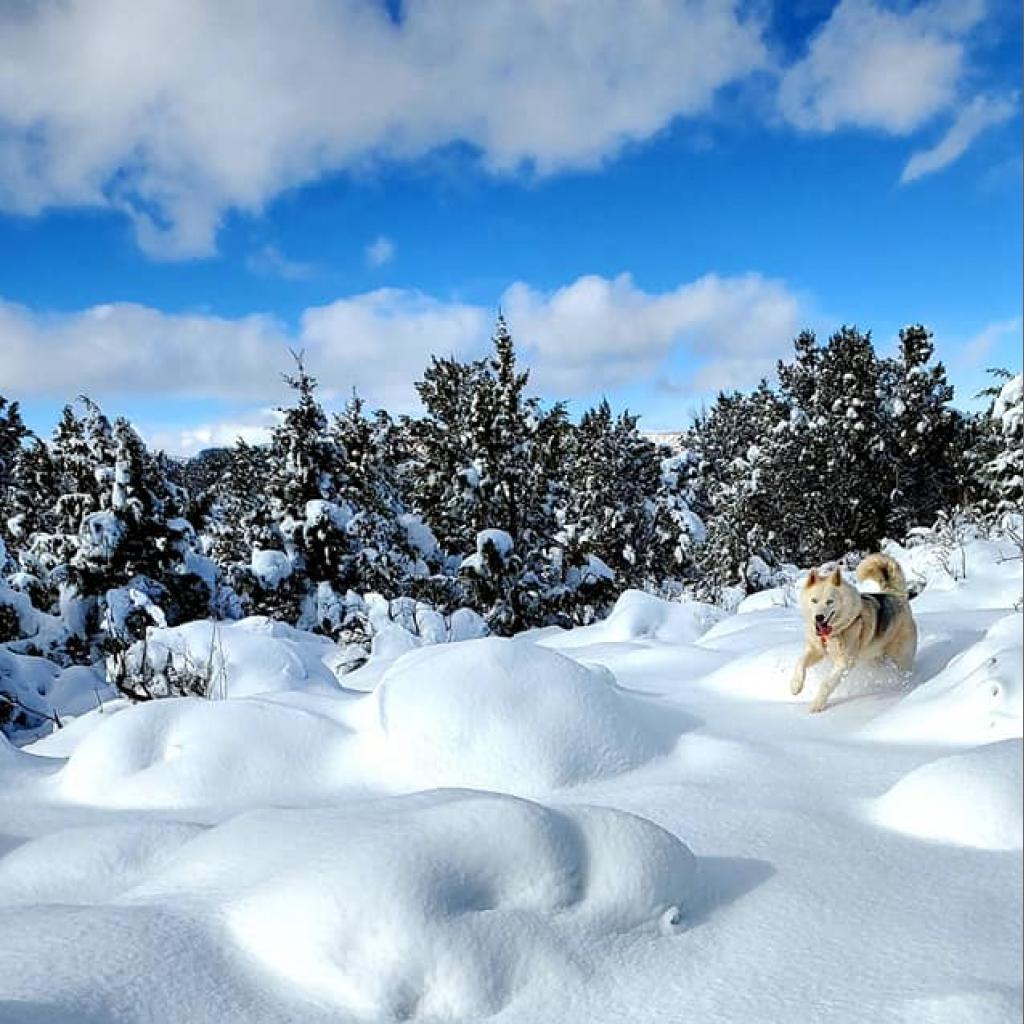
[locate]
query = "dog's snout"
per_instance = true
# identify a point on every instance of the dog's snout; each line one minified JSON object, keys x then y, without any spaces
{"x":819,"y":617}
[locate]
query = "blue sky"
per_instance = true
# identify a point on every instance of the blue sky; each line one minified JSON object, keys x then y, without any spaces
{"x":659,"y":197}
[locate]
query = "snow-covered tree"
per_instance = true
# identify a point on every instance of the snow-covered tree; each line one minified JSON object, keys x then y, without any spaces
{"x":1002,"y":474}
{"x":923,"y":437}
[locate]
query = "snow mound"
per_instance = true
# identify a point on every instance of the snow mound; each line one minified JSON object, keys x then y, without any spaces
{"x":512,"y":716}
{"x":87,"y":865}
{"x":438,"y":905}
{"x":773,"y":597}
{"x":252,"y":656}
{"x":977,"y":698}
{"x":185,"y":752}
{"x":972,"y":799}
{"x":641,"y":616}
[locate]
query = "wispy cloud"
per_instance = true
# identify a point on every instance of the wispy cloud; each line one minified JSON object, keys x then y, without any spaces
{"x":976,"y":350}
{"x":981,"y":113}
{"x":269,"y":261}
{"x":380,"y":251}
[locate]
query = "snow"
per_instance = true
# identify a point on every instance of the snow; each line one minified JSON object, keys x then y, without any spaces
{"x":1008,"y":407}
{"x":639,"y":616}
{"x":100,"y":534}
{"x":971,"y":799}
{"x":247,"y":657}
{"x":487,"y":540}
{"x":421,"y":537}
{"x":271,"y":567}
{"x":632,"y":821}
{"x":513,"y":716}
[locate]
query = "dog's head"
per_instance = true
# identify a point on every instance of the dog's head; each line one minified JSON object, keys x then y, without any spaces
{"x":828,"y":602}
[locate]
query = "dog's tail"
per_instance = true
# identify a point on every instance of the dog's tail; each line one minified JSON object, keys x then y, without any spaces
{"x":886,"y":572}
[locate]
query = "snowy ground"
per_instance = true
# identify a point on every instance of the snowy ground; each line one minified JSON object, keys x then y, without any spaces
{"x":629,"y":822}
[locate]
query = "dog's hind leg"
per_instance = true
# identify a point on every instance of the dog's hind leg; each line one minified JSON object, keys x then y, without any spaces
{"x":813,"y":653}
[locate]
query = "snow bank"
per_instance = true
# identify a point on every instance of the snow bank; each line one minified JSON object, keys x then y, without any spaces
{"x":641,"y":616}
{"x":184,"y":753}
{"x":977,"y":698}
{"x":969,"y":572}
{"x":247,"y":657}
{"x":512,"y":716}
{"x":497,"y":714}
{"x":971,"y":799}
{"x":438,"y":905}
{"x":87,"y":865}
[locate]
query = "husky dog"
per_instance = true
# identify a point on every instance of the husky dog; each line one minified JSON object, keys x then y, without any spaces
{"x":848,"y":627}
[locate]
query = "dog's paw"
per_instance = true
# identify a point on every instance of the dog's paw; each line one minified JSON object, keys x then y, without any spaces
{"x":817,"y":706}
{"x":796,"y":685}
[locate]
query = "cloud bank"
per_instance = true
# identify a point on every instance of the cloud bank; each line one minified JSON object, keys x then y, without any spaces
{"x":174,"y":111}
{"x":593,"y":334}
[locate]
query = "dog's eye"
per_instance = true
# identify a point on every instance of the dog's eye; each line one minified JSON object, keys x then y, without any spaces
{"x":830,"y":601}
{"x":814,"y":600}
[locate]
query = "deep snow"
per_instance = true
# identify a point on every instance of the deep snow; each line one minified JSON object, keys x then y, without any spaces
{"x":638,"y":822}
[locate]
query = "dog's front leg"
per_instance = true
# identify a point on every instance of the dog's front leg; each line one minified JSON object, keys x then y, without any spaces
{"x":828,"y":684}
{"x":811,"y":656}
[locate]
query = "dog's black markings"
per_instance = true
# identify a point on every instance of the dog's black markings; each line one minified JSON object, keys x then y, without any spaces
{"x":885,"y":606}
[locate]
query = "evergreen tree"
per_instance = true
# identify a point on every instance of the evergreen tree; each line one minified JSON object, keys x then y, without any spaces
{"x":1002,"y":473}
{"x":12,"y":433}
{"x":483,"y":458}
{"x":736,"y":446}
{"x":923,"y":442}
{"x":614,"y":475}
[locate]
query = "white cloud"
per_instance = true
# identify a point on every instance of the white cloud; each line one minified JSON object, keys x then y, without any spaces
{"x":253,"y":427}
{"x":380,"y":342}
{"x":175,"y":111}
{"x":873,"y":67}
{"x":377,"y":342}
{"x":598,"y":333}
{"x":124,"y":348}
{"x":595,"y":333}
{"x":981,"y":113}
{"x":380,"y":251}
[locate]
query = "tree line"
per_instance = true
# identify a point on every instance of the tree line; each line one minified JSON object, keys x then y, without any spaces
{"x":490,"y":499}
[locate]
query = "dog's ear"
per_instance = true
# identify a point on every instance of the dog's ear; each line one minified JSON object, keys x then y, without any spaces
{"x":835,"y":579}
{"x":812,"y":578}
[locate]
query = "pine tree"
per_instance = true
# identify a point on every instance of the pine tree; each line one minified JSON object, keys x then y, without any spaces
{"x":443,"y":481}
{"x":923,"y":439}
{"x":1002,"y":472}
{"x":613,"y":477}
{"x":835,"y":501}
{"x":482,"y":460}
{"x":12,"y":433}
{"x":739,"y":448}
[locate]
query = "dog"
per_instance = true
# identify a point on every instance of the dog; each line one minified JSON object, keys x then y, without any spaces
{"x":849,"y":627}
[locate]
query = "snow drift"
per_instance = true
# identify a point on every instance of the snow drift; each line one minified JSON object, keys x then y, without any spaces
{"x":439,"y":905}
{"x":971,"y":799}
{"x":641,"y":616}
{"x":512,"y":716}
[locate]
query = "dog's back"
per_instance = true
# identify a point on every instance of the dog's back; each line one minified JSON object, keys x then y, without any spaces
{"x":893,"y":631}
